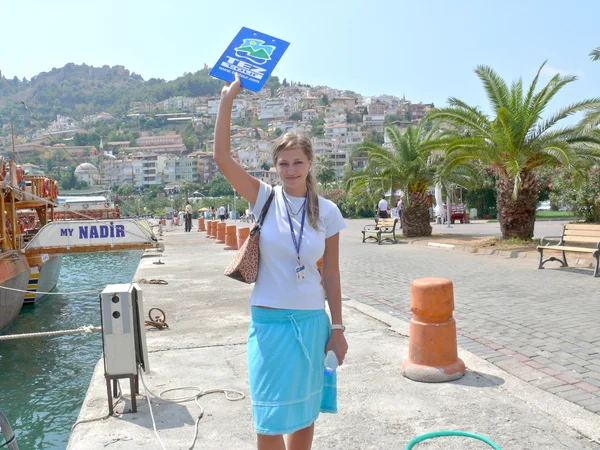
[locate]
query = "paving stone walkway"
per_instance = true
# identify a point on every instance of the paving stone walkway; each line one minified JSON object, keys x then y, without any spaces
{"x":540,"y":325}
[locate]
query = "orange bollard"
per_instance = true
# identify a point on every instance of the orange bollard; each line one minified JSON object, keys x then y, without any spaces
{"x":221,"y":227}
{"x":213,"y":229}
{"x":208,"y":229}
{"x":230,"y":238}
{"x":243,"y":233}
{"x":320,"y":269}
{"x":201,"y":225}
{"x":432,"y":351}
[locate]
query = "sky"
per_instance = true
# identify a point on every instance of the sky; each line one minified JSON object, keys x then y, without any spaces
{"x":423,"y":50}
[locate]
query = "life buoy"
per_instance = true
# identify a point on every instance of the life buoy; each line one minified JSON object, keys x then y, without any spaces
{"x":55,"y":190}
{"x":85,"y":206}
{"x":67,"y":206}
{"x":107,"y":205}
{"x":46,"y":188}
{"x":3,"y":174}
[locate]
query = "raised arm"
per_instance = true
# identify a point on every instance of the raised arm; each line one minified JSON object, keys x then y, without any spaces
{"x":241,"y":180}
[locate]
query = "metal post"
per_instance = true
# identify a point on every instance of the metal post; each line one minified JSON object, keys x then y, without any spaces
{"x":448,"y":208}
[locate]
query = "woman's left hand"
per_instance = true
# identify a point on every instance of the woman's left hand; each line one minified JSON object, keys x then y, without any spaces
{"x":337,"y":343}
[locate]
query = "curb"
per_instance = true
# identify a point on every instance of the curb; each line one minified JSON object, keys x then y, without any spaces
{"x":566,"y":412}
{"x":579,"y":262}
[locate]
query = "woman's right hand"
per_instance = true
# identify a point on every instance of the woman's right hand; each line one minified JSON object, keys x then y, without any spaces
{"x":230,"y":90}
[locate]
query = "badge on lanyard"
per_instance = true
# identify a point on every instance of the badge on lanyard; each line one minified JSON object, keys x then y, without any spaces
{"x":300,"y":269}
{"x":300,"y":273}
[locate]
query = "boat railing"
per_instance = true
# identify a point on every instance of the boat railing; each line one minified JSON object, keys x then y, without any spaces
{"x":40,"y":187}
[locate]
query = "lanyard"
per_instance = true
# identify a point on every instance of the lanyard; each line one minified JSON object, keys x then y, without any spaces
{"x":297,"y":242}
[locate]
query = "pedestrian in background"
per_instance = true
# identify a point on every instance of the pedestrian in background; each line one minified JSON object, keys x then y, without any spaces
{"x":382,"y":208}
{"x":188,"y":217}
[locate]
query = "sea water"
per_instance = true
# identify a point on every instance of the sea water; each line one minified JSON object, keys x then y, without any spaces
{"x":43,"y":381}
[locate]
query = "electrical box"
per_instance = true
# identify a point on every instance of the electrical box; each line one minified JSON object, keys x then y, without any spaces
{"x":123,"y":329}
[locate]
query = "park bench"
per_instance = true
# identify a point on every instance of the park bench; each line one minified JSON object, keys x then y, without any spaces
{"x":383,"y":230}
{"x":585,"y":237}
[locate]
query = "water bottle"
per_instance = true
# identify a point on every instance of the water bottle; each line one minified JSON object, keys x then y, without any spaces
{"x":331,"y":363}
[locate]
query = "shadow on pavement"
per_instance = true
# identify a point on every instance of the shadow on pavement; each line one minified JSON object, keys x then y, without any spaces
{"x":479,"y":379}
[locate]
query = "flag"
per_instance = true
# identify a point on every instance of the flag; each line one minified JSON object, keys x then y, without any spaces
{"x":205,"y":66}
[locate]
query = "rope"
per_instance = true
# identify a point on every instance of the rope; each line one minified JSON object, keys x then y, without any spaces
{"x":159,"y":322}
{"x":151,"y":281}
{"x":85,"y":329}
{"x":195,"y":397}
{"x":49,"y":293}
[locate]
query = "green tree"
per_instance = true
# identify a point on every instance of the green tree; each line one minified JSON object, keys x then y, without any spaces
{"x":318,"y":126}
{"x":516,"y":141}
{"x":325,"y":171}
{"x":68,"y":180}
{"x":191,"y":142}
{"x":595,"y":54}
{"x":405,"y":166}
{"x":579,"y":191}
{"x":125,"y":190}
{"x":296,"y":116}
{"x":220,"y":187}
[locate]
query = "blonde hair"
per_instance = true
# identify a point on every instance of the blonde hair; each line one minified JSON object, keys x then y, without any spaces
{"x":287,"y":141}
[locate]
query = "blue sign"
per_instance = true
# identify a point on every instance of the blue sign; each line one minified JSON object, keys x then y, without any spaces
{"x":253,"y":55}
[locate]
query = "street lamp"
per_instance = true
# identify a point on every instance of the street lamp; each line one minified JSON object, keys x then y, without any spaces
{"x":235,"y":203}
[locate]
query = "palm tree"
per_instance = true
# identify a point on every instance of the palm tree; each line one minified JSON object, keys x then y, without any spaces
{"x":516,"y":141}
{"x":595,"y":54}
{"x":405,"y":166}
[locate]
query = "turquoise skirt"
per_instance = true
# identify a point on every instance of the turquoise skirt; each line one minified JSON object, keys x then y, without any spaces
{"x":286,"y":355}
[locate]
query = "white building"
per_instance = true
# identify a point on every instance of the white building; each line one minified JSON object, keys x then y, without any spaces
{"x":309,"y":114}
{"x":118,"y":172}
{"x":376,"y":123}
{"x":63,"y":123}
{"x":237,"y":112}
{"x":148,"y":170}
{"x":253,"y":157}
{"x":276,"y":108}
{"x":178,"y":103}
{"x":333,"y":118}
{"x":88,"y":173}
{"x":335,"y":129}
{"x":180,"y":168}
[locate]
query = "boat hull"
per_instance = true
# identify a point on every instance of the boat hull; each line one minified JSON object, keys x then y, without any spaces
{"x":45,"y":270}
{"x":14,"y":274}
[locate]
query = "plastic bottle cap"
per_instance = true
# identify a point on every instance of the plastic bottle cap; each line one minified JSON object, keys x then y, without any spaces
{"x":329,"y":372}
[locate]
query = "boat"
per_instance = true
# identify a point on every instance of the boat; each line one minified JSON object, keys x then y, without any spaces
{"x":42,"y":204}
{"x":14,"y":267}
{"x":96,"y":207}
{"x":34,"y":210}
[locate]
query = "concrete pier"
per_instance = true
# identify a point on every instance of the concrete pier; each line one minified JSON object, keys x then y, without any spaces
{"x":205,"y":346}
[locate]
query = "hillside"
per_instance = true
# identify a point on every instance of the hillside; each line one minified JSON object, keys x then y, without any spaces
{"x":78,"y":90}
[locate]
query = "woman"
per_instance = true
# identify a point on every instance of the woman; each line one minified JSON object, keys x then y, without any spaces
{"x":289,"y":331}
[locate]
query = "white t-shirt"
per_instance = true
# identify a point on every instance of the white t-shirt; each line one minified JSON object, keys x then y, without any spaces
{"x":222,"y":211}
{"x":188,"y":209}
{"x":276,"y":285}
{"x":383,"y":205}
{"x":399,"y":205}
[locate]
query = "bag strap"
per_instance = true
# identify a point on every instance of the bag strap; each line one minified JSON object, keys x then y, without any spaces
{"x":265,"y":209}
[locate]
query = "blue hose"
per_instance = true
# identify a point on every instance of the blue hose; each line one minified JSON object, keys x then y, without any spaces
{"x":435,"y":434}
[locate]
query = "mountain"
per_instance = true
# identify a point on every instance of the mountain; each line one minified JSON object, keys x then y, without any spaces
{"x":78,"y":90}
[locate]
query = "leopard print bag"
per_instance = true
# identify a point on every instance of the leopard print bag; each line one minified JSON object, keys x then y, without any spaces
{"x":244,"y":266}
